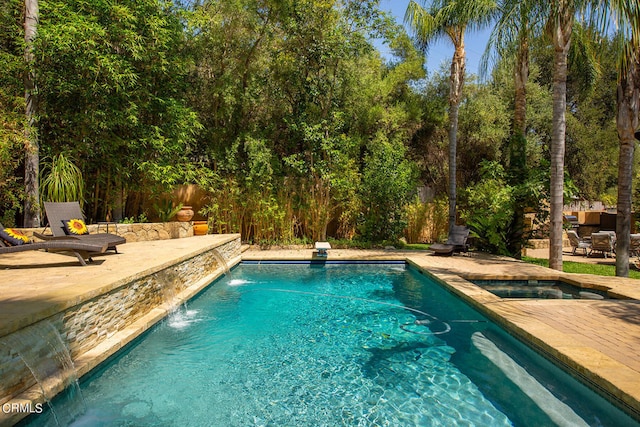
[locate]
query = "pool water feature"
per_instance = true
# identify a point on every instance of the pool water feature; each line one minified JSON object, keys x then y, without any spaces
{"x":542,"y":289}
{"x":352,"y":345}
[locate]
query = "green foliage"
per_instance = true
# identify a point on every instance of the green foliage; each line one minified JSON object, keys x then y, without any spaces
{"x":387,"y":184}
{"x":111,"y":83}
{"x":11,"y":153}
{"x":426,"y":222}
{"x":61,"y":181}
{"x":12,"y":119}
{"x":483,"y":126}
{"x":284,"y":113}
{"x":142,"y":218}
{"x":166,"y":210}
{"x":489,"y":208}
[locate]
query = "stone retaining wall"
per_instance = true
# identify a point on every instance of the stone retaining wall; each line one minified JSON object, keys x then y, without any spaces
{"x":138,"y":232}
{"x":544,"y":243}
{"x":91,"y":323}
{"x":143,"y":232}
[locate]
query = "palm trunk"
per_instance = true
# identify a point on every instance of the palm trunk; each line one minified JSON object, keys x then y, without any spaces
{"x":32,"y":155}
{"x":455,"y":94}
{"x":561,"y":41}
{"x":627,"y":121}
{"x":520,"y":77}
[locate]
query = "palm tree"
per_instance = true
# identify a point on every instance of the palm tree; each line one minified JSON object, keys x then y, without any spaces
{"x":517,"y":24}
{"x":628,"y":106}
{"x":626,"y":121}
{"x":560,"y":25}
{"x":450,"y":18}
{"x":32,"y":157}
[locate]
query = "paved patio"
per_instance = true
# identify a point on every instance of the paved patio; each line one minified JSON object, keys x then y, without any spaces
{"x":598,"y":338}
{"x":36,"y":285}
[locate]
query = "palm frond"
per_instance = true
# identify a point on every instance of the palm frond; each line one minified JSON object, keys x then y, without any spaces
{"x":519,"y":20}
{"x":422,"y":24}
{"x":584,"y":52}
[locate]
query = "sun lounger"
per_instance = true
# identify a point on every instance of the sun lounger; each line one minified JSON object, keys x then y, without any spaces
{"x":60,"y":213}
{"x":457,"y":242}
{"x":82,"y":250}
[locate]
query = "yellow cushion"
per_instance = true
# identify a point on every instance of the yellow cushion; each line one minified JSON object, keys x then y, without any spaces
{"x":75,"y":226}
{"x":14,"y":237}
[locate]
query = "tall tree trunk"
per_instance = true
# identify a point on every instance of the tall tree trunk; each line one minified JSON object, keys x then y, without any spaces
{"x":520,"y":78}
{"x":456,"y":81}
{"x":563,"y":22}
{"x":32,"y":155}
{"x":626,"y":121}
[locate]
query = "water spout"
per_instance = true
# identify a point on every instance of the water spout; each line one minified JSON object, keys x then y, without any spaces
{"x":222,"y":262}
{"x":49,"y":361}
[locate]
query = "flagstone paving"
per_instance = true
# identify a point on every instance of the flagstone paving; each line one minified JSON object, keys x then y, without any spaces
{"x":599,"y":339}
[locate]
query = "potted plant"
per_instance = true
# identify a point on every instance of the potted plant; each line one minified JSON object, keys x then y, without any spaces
{"x":200,"y":228}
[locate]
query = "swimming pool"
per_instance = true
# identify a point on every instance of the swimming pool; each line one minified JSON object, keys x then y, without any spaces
{"x":329,"y":345}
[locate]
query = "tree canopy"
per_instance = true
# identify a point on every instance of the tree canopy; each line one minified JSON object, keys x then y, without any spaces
{"x":287,"y":116}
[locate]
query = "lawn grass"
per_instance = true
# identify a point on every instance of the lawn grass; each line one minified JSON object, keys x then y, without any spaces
{"x":583,"y":268}
{"x":417,"y":246}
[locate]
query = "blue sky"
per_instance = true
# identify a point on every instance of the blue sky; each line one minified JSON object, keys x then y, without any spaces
{"x":475,"y":43}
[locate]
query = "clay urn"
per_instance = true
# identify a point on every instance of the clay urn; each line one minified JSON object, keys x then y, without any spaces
{"x":185,"y":214}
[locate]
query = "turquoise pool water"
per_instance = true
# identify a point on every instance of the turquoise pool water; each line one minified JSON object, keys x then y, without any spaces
{"x":332,"y":345}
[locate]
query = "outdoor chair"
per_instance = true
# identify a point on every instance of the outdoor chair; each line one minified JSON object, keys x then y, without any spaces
{"x":456,"y":242}
{"x":578,"y":243}
{"x":603,"y":242}
{"x":60,"y":214}
{"x":82,"y":250}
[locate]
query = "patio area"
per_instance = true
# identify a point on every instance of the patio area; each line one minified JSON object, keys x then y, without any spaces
{"x":598,"y":339}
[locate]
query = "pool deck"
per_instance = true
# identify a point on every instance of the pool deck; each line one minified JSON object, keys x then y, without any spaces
{"x":599,"y":339}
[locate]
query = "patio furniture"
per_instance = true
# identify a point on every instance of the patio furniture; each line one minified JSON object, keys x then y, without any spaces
{"x":603,"y":242}
{"x":578,"y":243}
{"x":82,"y":250}
{"x":572,"y":221}
{"x":456,"y":242}
{"x":60,"y":213}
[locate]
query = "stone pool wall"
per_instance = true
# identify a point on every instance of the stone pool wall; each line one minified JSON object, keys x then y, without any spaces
{"x":95,"y":329}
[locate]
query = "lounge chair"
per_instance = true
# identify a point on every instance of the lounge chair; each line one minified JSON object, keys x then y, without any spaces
{"x":59,"y":213}
{"x":578,"y":243}
{"x":457,"y":242}
{"x":82,"y":250}
{"x":603,"y":242}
